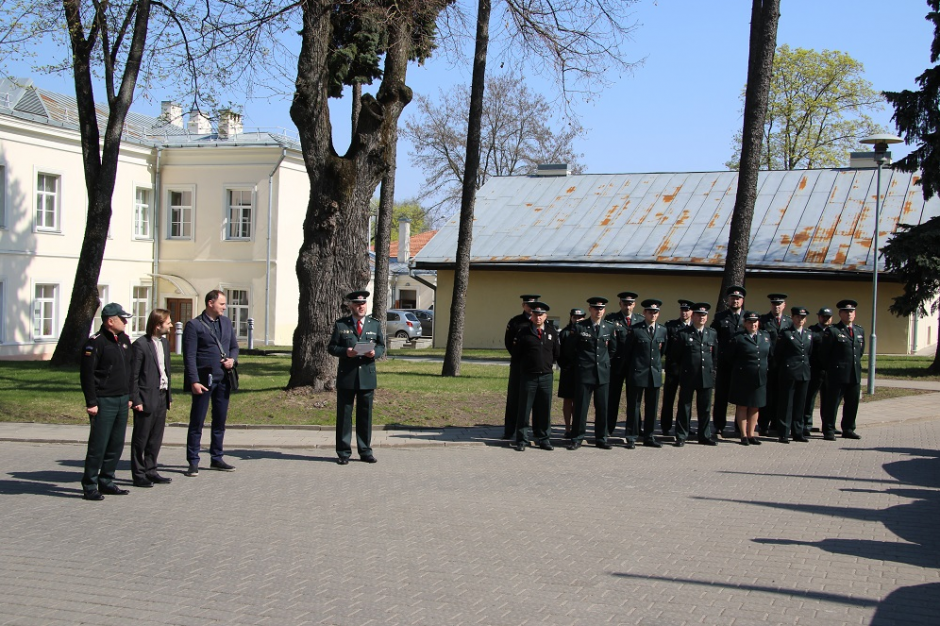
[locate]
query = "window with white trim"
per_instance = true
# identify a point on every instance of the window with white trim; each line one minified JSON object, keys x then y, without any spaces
{"x":140,"y":302}
{"x":142,"y":214}
{"x":237,"y":311}
{"x":45,"y":306}
{"x":180,"y":214}
{"x":239,"y":212}
{"x":48,"y":187}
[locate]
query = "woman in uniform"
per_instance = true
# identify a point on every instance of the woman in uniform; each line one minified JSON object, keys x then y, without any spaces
{"x":567,"y":380}
{"x":750,"y":353}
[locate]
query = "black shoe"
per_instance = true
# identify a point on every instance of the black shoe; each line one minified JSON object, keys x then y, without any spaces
{"x":93,"y":495}
{"x":801,"y":439}
{"x":508,"y":437}
{"x":603,"y":445}
{"x":630,"y":444}
{"x":679,"y":443}
{"x":113,"y":490}
{"x":368,"y":459}
{"x":519,"y":446}
{"x":574,"y":445}
{"x":815,"y":429}
{"x":652,"y":443}
{"x":546,"y":445}
{"x":783,"y":440}
{"x":144,"y":484}
{"x":745,"y":442}
{"x":851,"y":435}
{"x":192,"y":471}
{"x":159,"y":480}
{"x":567,"y":434}
{"x":754,"y":441}
{"x":838,"y":432}
{"x":708,"y":442}
{"x":829,"y":437}
{"x":221,"y":465}
{"x":342,"y":461}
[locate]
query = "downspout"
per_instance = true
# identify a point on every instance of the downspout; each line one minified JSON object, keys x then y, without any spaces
{"x":411,"y":273}
{"x":267,"y":264}
{"x":156,"y":227}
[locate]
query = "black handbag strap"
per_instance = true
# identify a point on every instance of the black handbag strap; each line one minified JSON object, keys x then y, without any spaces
{"x":214,"y":336}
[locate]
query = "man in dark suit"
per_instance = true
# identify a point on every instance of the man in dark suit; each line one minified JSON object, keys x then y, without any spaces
{"x":591,"y":349}
{"x":671,"y":382}
{"x":537,"y":347}
{"x":843,"y":347}
{"x":695,"y":350}
{"x":773,"y":323}
{"x":151,"y":367}
{"x":622,"y":320}
{"x":358,"y":341}
{"x":643,"y":364}
{"x":512,"y":388}
{"x":817,"y":378}
{"x":727,"y":324}
{"x":792,"y":354}
{"x":210,"y":351}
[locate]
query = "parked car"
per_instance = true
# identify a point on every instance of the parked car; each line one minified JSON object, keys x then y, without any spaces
{"x":403,"y":324}
{"x":427,"y":320}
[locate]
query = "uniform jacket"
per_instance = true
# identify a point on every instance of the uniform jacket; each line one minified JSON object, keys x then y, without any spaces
{"x":793,"y":352}
{"x":750,"y":360}
{"x":643,"y":356}
{"x":623,"y":326}
{"x":356,"y":372}
{"x":815,"y":359}
{"x":146,"y":370}
{"x":842,"y":354}
{"x":536,"y":356}
{"x":512,"y":328}
{"x":591,"y":351}
{"x":568,"y":337}
{"x":201,"y":354}
{"x":768,"y":323}
{"x":672,"y":356}
{"x":727,"y":324}
{"x":696,"y":357}
{"x":106,"y":367}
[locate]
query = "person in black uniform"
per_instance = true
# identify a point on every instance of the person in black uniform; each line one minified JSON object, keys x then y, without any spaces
{"x":596,"y":343}
{"x":749,"y":353}
{"x":151,"y":368}
{"x":512,"y":388}
{"x":696,"y":349}
{"x":793,"y":353}
{"x":108,"y":383}
{"x":642,"y":359}
{"x":727,"y":324}
{"x":568,"y":378}
{"x":843,"y":347}
{"x":817,"y":377}
{"x":671,"y":382}
{"x":537,"y":348}
{"x":623,"y":320}
{"x":773,"y":323}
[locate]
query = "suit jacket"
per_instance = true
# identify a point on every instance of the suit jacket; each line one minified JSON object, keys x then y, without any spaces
{"x":201,"y":354}
{"x":727,"y":324}
{"x":643,"y":356}
{"x":673,"y":327}
{"x":146,"y":368}
{"x":750,"y":360}
{"x":592,"y":352}
{"x":696,"y":357}
{"x":517,"y":323}
{"x":842,"y":354}
{"x":536,"y":356}
{"x":356,"y":372}
{"x":793,"y":352}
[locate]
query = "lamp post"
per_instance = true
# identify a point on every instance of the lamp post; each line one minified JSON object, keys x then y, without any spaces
{"x":880,"y":142}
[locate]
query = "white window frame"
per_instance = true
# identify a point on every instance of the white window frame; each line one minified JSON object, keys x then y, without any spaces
{"x":143,"y":234}
{"x":236,"y":312}
{"x":190,"y":189}
{"x":234,"y":222}
{"x":53,"y":311}
{"x":57,"y":199}
{"x":140,"y":309}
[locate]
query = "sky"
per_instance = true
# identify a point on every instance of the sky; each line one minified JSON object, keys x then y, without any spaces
{"x":679,"y":109}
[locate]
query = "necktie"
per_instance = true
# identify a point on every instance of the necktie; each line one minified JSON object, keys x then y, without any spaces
{"x":596,"y":328}
{"x":650,"y":329}
{"x":778,"y":321}
{"x":540,"y":334}
{"x":359,"y":327}
{"x":851,"y":332}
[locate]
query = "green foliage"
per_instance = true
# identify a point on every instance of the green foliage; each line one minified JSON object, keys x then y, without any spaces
{"x":917,"y":116}
{"x":359,"y":39}
{"x":913,"y":255}
{"x":817,"y":111}
{"x":410,"y":208}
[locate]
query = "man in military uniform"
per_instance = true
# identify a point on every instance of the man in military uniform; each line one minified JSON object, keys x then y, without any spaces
{"x":773,"y":323}
{"x":358,"y":341}
{"x":817,"y":377}
{"x":671,"y":382}
{"x":108,"y":383}
{"x":843,"y":347}
{"x":792,"y":353}
{"x":727,"y":324}
{"x":642,"y":359}
{"x":537,"y":348}
{"x":594,"y":344}
{"x":696,"y":349}
{"x":623,"y":320}
{"x":512,"y":389}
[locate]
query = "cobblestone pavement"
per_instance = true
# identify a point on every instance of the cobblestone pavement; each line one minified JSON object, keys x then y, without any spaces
{"x":819,"y":533}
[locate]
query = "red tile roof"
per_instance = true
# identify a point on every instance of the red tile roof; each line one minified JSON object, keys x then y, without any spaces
{"x":417,"y":242}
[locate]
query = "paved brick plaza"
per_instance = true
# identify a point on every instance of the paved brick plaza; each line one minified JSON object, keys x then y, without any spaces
{"x":818,"y":533}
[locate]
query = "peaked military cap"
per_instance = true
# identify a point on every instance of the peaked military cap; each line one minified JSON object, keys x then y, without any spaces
{"x":113,"y":309}
{"x":627,"y":296}
{"x":751,"y":316}
{"x":847,"y":305}
{"x":357,"y":297}
{"x":530,"y":298}
{"x":686,"y":304}
{"x":539,"y":307}
{"x":652,"y":304}
{"x":577,"y":313}
{"x":736,"y":290}
{"x":597,"y":302}
{"x":777,"y":298}
{"x":825,"y":312}
{"x":701,"y":307}
{"x":802,"y":311}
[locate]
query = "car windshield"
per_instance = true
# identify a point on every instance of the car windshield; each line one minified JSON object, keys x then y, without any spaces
{"x":411,"y":317}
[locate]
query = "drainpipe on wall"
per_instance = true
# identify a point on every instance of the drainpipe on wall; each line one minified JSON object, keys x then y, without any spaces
{"x":156,"y":228}
{"x":267,"y":264}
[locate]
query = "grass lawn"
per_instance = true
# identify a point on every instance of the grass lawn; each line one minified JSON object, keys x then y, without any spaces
{"x":411,"y":393}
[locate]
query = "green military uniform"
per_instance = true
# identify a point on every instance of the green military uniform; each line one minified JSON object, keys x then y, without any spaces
{"x":590,"y":351}
{"x":817,"y":377}
{"x":623,"y":323}
{"x":792,"y":355}
{"x":696,"y":354}
{"x":727,"y":324}
{"x":671,"y":369}
{"x":643,"y":367}
{"x":749,"y":363}
{"x":843,"y":347}
{"x":770,"y":414}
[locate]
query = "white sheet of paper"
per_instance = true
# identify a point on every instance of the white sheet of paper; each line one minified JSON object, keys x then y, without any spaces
{"x":364,"y":347}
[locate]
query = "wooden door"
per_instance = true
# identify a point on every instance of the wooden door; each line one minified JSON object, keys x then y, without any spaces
{"x":181,"y":310}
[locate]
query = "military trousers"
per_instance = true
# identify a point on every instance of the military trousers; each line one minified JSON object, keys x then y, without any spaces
{"x":851,"y":394}
{"x":723,"y":376}
{"x":791,"y":398}
{"x":512,"y":400}
{"x":362,"y":398}
{"x":703,"y":409}
{"x":105,"y":442}
{"x":636,"y":396}
{"x":670,"y":388}
{"x":535,"y":398}
{"x":582,"y":401}
{"x":817,"y":387}
{"x":615,"y":394}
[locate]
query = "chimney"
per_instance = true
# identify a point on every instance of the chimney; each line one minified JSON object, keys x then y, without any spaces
{"x":230,"y":124}
{"x":404,"y":240}
{"x":199,"y":123}
{"x":171,"y":114}
{"x":866,"y":160}
{"x":552,"y":169}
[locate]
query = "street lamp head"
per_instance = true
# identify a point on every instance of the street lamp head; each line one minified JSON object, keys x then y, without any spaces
{"x":880,"y":141}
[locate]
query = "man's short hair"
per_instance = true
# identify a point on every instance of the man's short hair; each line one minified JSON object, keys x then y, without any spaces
{"x":157,"y":317}
{"x":213,"y":295}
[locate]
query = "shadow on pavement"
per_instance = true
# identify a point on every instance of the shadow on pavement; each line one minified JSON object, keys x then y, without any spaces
{"x":43,"y":483}
{"x":250,"y":455}
{"x":905,"y":605}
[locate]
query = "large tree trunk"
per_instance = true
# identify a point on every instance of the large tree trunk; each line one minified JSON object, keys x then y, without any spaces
{"x":468,"y":198}
{"x":333,"y":258}
{"x":100,"y":166}
{"x":763,"y":42}
{"x":383,"y":238}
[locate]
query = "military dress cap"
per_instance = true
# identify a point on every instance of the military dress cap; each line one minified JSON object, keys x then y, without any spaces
{"x":114,"y":309}
{"x":530,"y":298}
{"x":777,"y":298}
{"x":802,"y":311}
{"x":539,"y":307}
{"x":628,"y":296}
{"x":825,"y":312}
{"x":736,"y":290}
{"x":577,"y":313}
{"x":751,"y":316}
{"x":652,"y":304}
{"x":847,"y":305}
{"x":357,"y":297}
{"x":701,"y":307}
{"x":597,"y":302}
{"x":686,"y":304}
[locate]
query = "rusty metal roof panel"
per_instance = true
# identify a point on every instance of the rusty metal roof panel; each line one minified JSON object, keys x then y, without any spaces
{"x":816,"y":220}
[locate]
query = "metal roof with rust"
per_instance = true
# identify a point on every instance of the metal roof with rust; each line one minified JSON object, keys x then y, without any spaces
{"x":804,"y":221}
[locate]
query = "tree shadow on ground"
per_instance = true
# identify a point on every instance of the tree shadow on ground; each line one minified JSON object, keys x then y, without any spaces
{"x":43,"y":483}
